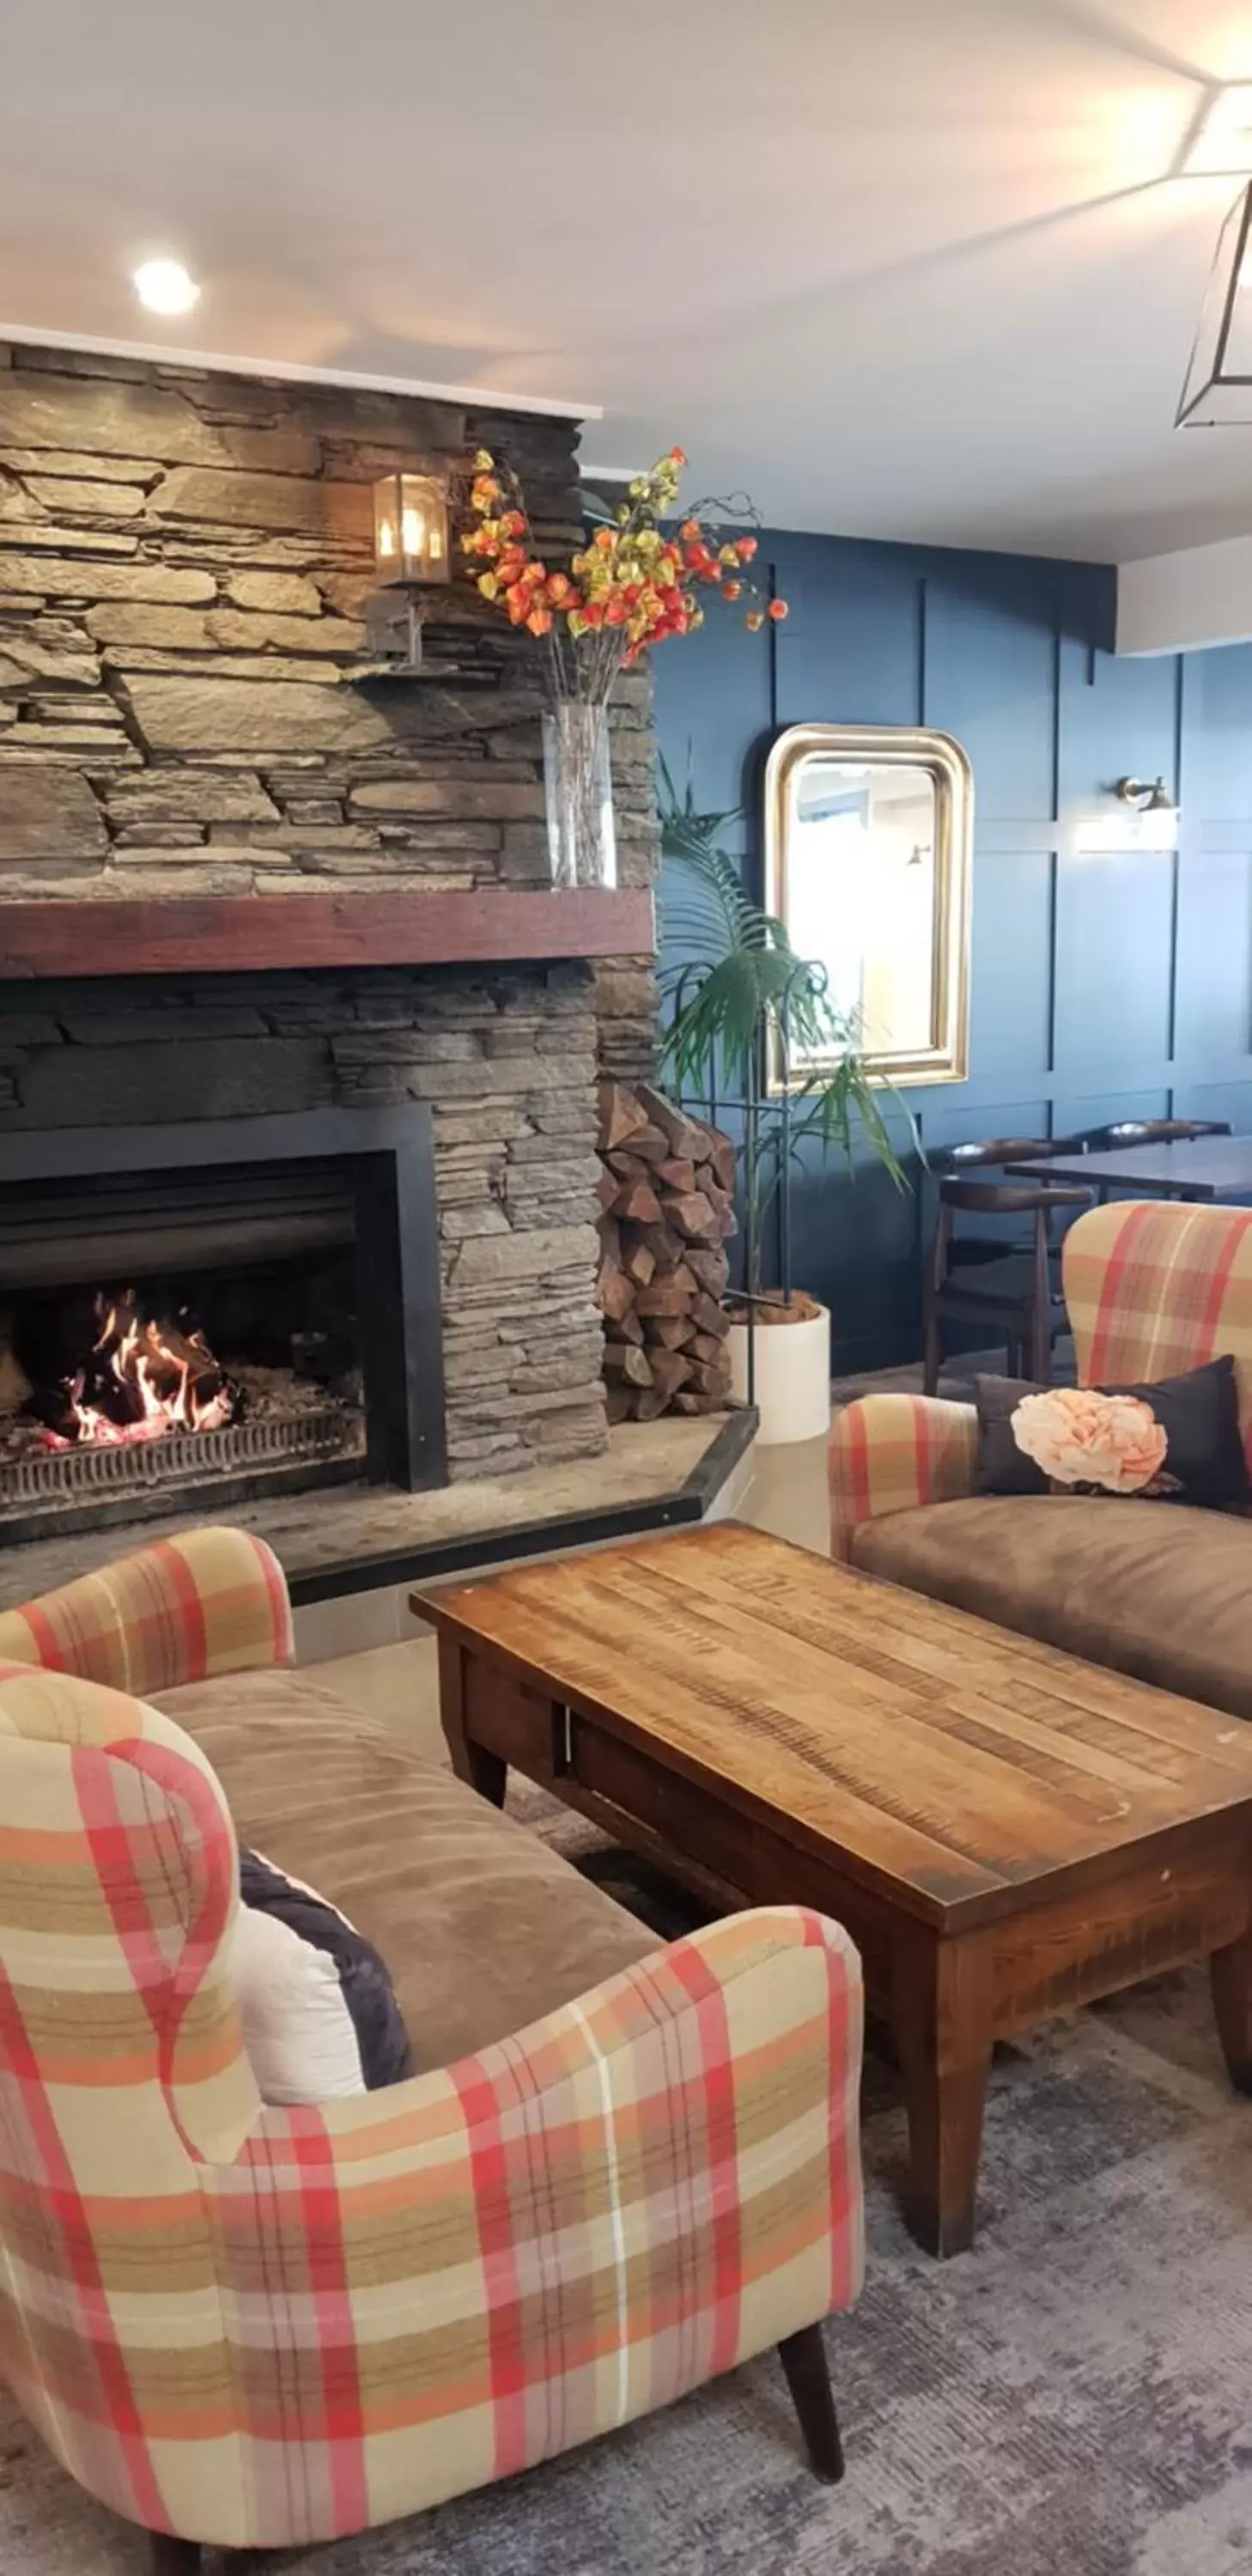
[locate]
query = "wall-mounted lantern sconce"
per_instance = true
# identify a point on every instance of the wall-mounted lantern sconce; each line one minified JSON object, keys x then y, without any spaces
{"x":1150,"y":823}
{"x":410,"y":556}
{"x":1148,"y":796}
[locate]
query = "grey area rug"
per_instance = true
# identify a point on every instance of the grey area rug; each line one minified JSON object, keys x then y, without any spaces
{"x":1072,"y":2398}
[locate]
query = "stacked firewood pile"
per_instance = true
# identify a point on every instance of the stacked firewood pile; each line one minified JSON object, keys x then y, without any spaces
{"x":668,"y":1204}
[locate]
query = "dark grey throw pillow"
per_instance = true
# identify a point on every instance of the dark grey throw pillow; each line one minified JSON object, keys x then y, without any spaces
{"x":319,"y":2010}
{"x":1204,"y":1459}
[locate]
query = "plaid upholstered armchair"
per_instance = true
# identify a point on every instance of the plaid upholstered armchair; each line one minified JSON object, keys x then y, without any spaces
{"x":258,"y":2327}
{"x":1152,"y":1289}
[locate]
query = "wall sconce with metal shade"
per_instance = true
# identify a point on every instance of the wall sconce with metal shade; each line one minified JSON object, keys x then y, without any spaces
{"x":410,"y":558}
{"x":1148,"y":796}
{"x":1149,"y":821}
{"x":1218,"y":390}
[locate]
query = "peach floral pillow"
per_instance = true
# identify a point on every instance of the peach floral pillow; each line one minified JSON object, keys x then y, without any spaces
{"x":1177,"y":1440}
{"x":1079,"y":1437}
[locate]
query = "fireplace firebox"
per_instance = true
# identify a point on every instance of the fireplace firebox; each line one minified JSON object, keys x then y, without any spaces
{"x":215,"y":1311}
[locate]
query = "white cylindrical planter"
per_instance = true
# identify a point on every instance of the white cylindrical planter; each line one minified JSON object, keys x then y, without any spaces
{"x":792,"y":1377}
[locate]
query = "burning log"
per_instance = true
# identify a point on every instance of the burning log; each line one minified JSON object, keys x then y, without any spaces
{"x":667,"y":1197}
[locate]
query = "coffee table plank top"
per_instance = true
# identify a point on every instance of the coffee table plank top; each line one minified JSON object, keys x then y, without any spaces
{"x":952,"y":1761}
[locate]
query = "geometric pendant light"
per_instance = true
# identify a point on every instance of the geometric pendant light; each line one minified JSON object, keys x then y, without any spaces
{"x":1218,"y":390}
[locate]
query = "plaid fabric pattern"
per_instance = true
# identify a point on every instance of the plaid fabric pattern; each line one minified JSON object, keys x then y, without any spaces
{"x":262,"y":2327}
{"x":1154,"y":1288}
{"x":889,"y":1452}
{"x":178,"y":1611}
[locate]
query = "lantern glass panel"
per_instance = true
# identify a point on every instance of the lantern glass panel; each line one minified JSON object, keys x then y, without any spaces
{"x":410,"y":528}
{"x":387,"y":556}
{"x":423,"y":528}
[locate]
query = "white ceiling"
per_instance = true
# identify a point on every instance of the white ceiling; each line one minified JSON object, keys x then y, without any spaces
{"x":904,"y":268}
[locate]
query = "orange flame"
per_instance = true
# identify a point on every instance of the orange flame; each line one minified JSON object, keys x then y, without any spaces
{"x":164,"y":1376}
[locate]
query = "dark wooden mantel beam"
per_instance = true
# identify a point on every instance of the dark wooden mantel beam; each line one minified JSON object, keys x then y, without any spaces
{"x":242,"y":933}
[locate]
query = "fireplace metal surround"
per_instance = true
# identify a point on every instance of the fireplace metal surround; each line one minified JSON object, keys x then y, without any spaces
{"x":382,"y":1162}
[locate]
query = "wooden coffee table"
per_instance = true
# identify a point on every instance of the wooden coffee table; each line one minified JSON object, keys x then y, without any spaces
{"x":1005,"y":1831}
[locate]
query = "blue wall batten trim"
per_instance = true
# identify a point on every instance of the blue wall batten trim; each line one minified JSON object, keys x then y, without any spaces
{"x":1171,"y":1000}
{"x":1103,"y":986}
{"x":1055,"y":746}
{"x":1053,"y":889}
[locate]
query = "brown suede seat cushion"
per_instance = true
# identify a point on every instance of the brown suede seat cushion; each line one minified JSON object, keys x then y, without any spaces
{"x":483,"y":1927}
{"x":1161,"y":1592}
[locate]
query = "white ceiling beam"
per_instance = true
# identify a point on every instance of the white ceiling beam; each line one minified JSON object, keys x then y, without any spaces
{"x":1172,"y":603}
{"x":284,"y":372}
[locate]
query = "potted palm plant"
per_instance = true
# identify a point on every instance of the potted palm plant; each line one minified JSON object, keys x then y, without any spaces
{"x":740,"y":1002}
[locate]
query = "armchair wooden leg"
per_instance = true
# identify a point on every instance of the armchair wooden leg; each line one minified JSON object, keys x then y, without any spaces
{"x":170,"y":2557}
{"x":803,"y":2357}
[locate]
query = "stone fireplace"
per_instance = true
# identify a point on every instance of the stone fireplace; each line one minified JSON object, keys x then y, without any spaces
{"x":121,"y":1094}
{"x":297,"y":1051}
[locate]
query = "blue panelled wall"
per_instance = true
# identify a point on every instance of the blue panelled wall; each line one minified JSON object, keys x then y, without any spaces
{"x":1103,"y":987}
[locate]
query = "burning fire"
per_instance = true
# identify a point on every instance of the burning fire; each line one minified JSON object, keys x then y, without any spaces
{"x":145,"y":1377}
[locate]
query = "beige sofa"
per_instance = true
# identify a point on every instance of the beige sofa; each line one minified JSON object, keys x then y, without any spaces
{"x":486,"y":1927}
{"x":1158,"y":1590}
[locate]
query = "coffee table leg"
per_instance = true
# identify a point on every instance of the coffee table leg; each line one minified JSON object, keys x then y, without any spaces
{"x":942,"y":2018}
{"x":1231,"y":1973}
{"x":481,"y":1770}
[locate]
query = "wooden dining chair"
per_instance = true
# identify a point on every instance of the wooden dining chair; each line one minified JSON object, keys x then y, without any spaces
{"x":984,"y":1155}
{"x":1015,"y":1290}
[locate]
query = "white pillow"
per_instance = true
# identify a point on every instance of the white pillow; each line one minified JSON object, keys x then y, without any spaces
{"x":318,"y":2007}
{"x":298,"y":2032}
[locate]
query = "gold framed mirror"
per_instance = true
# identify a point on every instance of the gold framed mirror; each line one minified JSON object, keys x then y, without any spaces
{"x":868,"y":863}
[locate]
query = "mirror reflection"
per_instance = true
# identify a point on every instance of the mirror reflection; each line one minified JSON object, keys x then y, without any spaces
{"x":868,"y":834}
{"x":861,"y":895}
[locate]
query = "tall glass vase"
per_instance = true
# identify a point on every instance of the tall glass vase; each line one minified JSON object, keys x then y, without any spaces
{"x":581,"y":844}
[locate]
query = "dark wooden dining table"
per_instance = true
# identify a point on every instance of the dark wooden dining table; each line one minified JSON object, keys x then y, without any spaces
{"x":1207,"y":1168}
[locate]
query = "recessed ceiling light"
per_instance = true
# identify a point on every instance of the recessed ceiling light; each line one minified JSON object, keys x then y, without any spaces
{"x":165,"y":287}
{"x":1221,"y":145}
